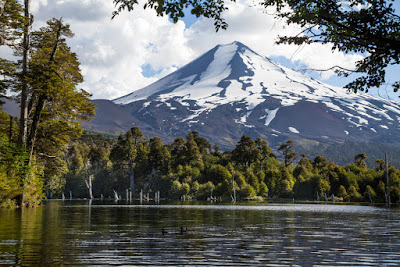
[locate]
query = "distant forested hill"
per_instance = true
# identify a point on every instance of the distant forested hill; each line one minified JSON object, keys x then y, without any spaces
{"x":343,"y":153}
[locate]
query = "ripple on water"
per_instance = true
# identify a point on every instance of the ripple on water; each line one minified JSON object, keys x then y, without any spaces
{"x":240,"y":235}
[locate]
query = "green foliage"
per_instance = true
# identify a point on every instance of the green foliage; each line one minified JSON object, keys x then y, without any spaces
{"x":188,"y":168}
{"x":288,"y":154}
{"x":205,"y":190}
{"x":55,"y":107}
{"x":175,"y":9}
{"x":343,"y":153}
{"x":11,"y":23}
{"x":263,"y":190}
{"x":14,"y":171}
{"x":246,"y":151}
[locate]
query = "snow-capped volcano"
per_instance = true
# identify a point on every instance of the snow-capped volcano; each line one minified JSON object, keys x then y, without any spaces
{"x":231,"y":90}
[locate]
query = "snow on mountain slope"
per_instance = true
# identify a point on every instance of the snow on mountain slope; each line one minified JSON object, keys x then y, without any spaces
{"x":249,"y":91}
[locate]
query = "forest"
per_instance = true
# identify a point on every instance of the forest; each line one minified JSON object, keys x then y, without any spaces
{"x":193,"y":168}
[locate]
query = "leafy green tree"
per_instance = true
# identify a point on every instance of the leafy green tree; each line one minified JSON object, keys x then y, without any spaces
{"x":192,"y":150}
{"x":286,"y":183}
{"x":342,"y":192}
{"x":76,"y":156}
{"x":369,"y":193}
{"x":247,"y":191}
{"x":379,"y":165}
{"x":205,"y":190}
{"x":195,"y":188}
{"x":359,"y":160}
{"x":303,"y":168}
{"x":266,"y":176}
{"x":394,"y":183}
{"x":11,"y":21}
{"x":178,"y":151}
{"x":252,"y":179}
{"x":202,"y":143}
{"x":159,"y":155}
{"x":288,"y":154}
{"x":264,"y":149}
{"x":263,"y":190}
{"x":320,"y":162}
{"x":218,"y":174}
{"x":272,"y":178}
{"x":130,"y":159}
{"x":57,"y":107}
{"x":321,"y":185}
{"x":246,"y":151}
{"x":100,"y":167}
{"x":175,"y":190}
{"x":13,"y":172}
{"x":353,"y":194}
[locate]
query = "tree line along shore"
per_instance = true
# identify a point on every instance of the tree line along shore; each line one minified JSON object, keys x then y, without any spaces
{"x":191,"y":168}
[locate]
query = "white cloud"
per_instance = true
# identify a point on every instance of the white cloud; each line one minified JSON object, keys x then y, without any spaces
{"x":256,"y":27}
{"x":112,"y":52}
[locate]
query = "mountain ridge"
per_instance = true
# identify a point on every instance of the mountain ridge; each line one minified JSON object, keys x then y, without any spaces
{"x":231,"y":90}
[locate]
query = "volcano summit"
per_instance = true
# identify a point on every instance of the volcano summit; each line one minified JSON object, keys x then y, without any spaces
{"x":231,"y":90}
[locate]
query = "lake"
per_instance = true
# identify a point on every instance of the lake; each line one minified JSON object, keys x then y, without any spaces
{"x":79,"y":233}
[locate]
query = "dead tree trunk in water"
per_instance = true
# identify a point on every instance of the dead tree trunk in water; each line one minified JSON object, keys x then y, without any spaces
{"x":387,"y":182}
{"x":116,"y":195}
{"x":132,"y":181}
{"x":89,"y":186}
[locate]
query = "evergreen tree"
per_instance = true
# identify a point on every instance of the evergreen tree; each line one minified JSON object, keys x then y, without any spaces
{"x":11,"y":21}
{"x":288,"y":154}
{"x":359,"y":160}
{"x":246,"y":151}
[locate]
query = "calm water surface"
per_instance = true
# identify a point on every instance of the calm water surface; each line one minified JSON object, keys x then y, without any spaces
{"x":80,"y":233}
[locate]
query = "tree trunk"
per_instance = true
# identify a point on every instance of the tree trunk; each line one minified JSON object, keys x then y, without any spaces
{"x":25,"y":64}
{"x":132,"y":181}
{"x":24,"y":93}
{"x":387,"y":181}
{"x":89,"y":186}
{"x":35,"y":123}
{"x":116,"y":195}
{"x":369,"y":195}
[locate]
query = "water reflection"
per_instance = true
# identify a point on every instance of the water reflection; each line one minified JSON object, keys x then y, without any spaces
{"x":102,"y":233}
